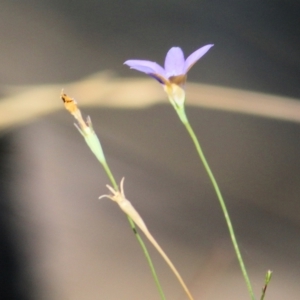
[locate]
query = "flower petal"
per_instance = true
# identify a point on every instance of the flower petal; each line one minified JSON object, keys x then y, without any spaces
{"x":145,"y":66}
{"x":174,"y":62}
{"x":192,"y":59}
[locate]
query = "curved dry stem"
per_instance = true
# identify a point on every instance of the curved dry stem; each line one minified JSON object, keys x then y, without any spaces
{"x":26,"y":103}
{"x":127,"y":207}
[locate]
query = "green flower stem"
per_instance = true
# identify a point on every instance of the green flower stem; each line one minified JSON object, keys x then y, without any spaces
{"x":94,"y":144}
{"x":150,"y":263}
{"x":267,"y":281}
{"x":110,"y":175}
{"x":182,"y":115}
{"x":138,"y":237}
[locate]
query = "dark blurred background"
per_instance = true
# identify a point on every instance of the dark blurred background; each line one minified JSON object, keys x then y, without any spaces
{"x":58,"y":242}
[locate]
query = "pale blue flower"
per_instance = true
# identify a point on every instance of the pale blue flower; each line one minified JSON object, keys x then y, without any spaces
{"x":174,"y":73}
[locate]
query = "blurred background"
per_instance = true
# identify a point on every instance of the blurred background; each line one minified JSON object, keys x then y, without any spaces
{"x":57,"y":241}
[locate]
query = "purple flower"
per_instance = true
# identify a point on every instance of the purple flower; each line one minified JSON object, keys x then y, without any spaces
{"x":174,"y":73}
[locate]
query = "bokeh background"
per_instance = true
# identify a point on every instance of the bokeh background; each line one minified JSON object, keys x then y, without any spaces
{"x":57,"y":241}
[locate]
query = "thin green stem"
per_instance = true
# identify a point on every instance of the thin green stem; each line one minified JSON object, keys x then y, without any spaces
{"x":184,"y":119}
{"x":267,"y":281}
{"x":95,"y":146}
{"x":110,"y":175}
{"x":150,"y":263}
{"x":138,"y":237}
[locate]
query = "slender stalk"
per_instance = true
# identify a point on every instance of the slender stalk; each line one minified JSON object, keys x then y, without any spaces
{"x":138,"y":237}
{"x":109,"y":175}
{"x":86,"y":130}
{"x":182,"y":115}
{"x":267,"y":281}
{"x":150,"y":263}
{"x":130,"y":211}
{"x":169,"y":262}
